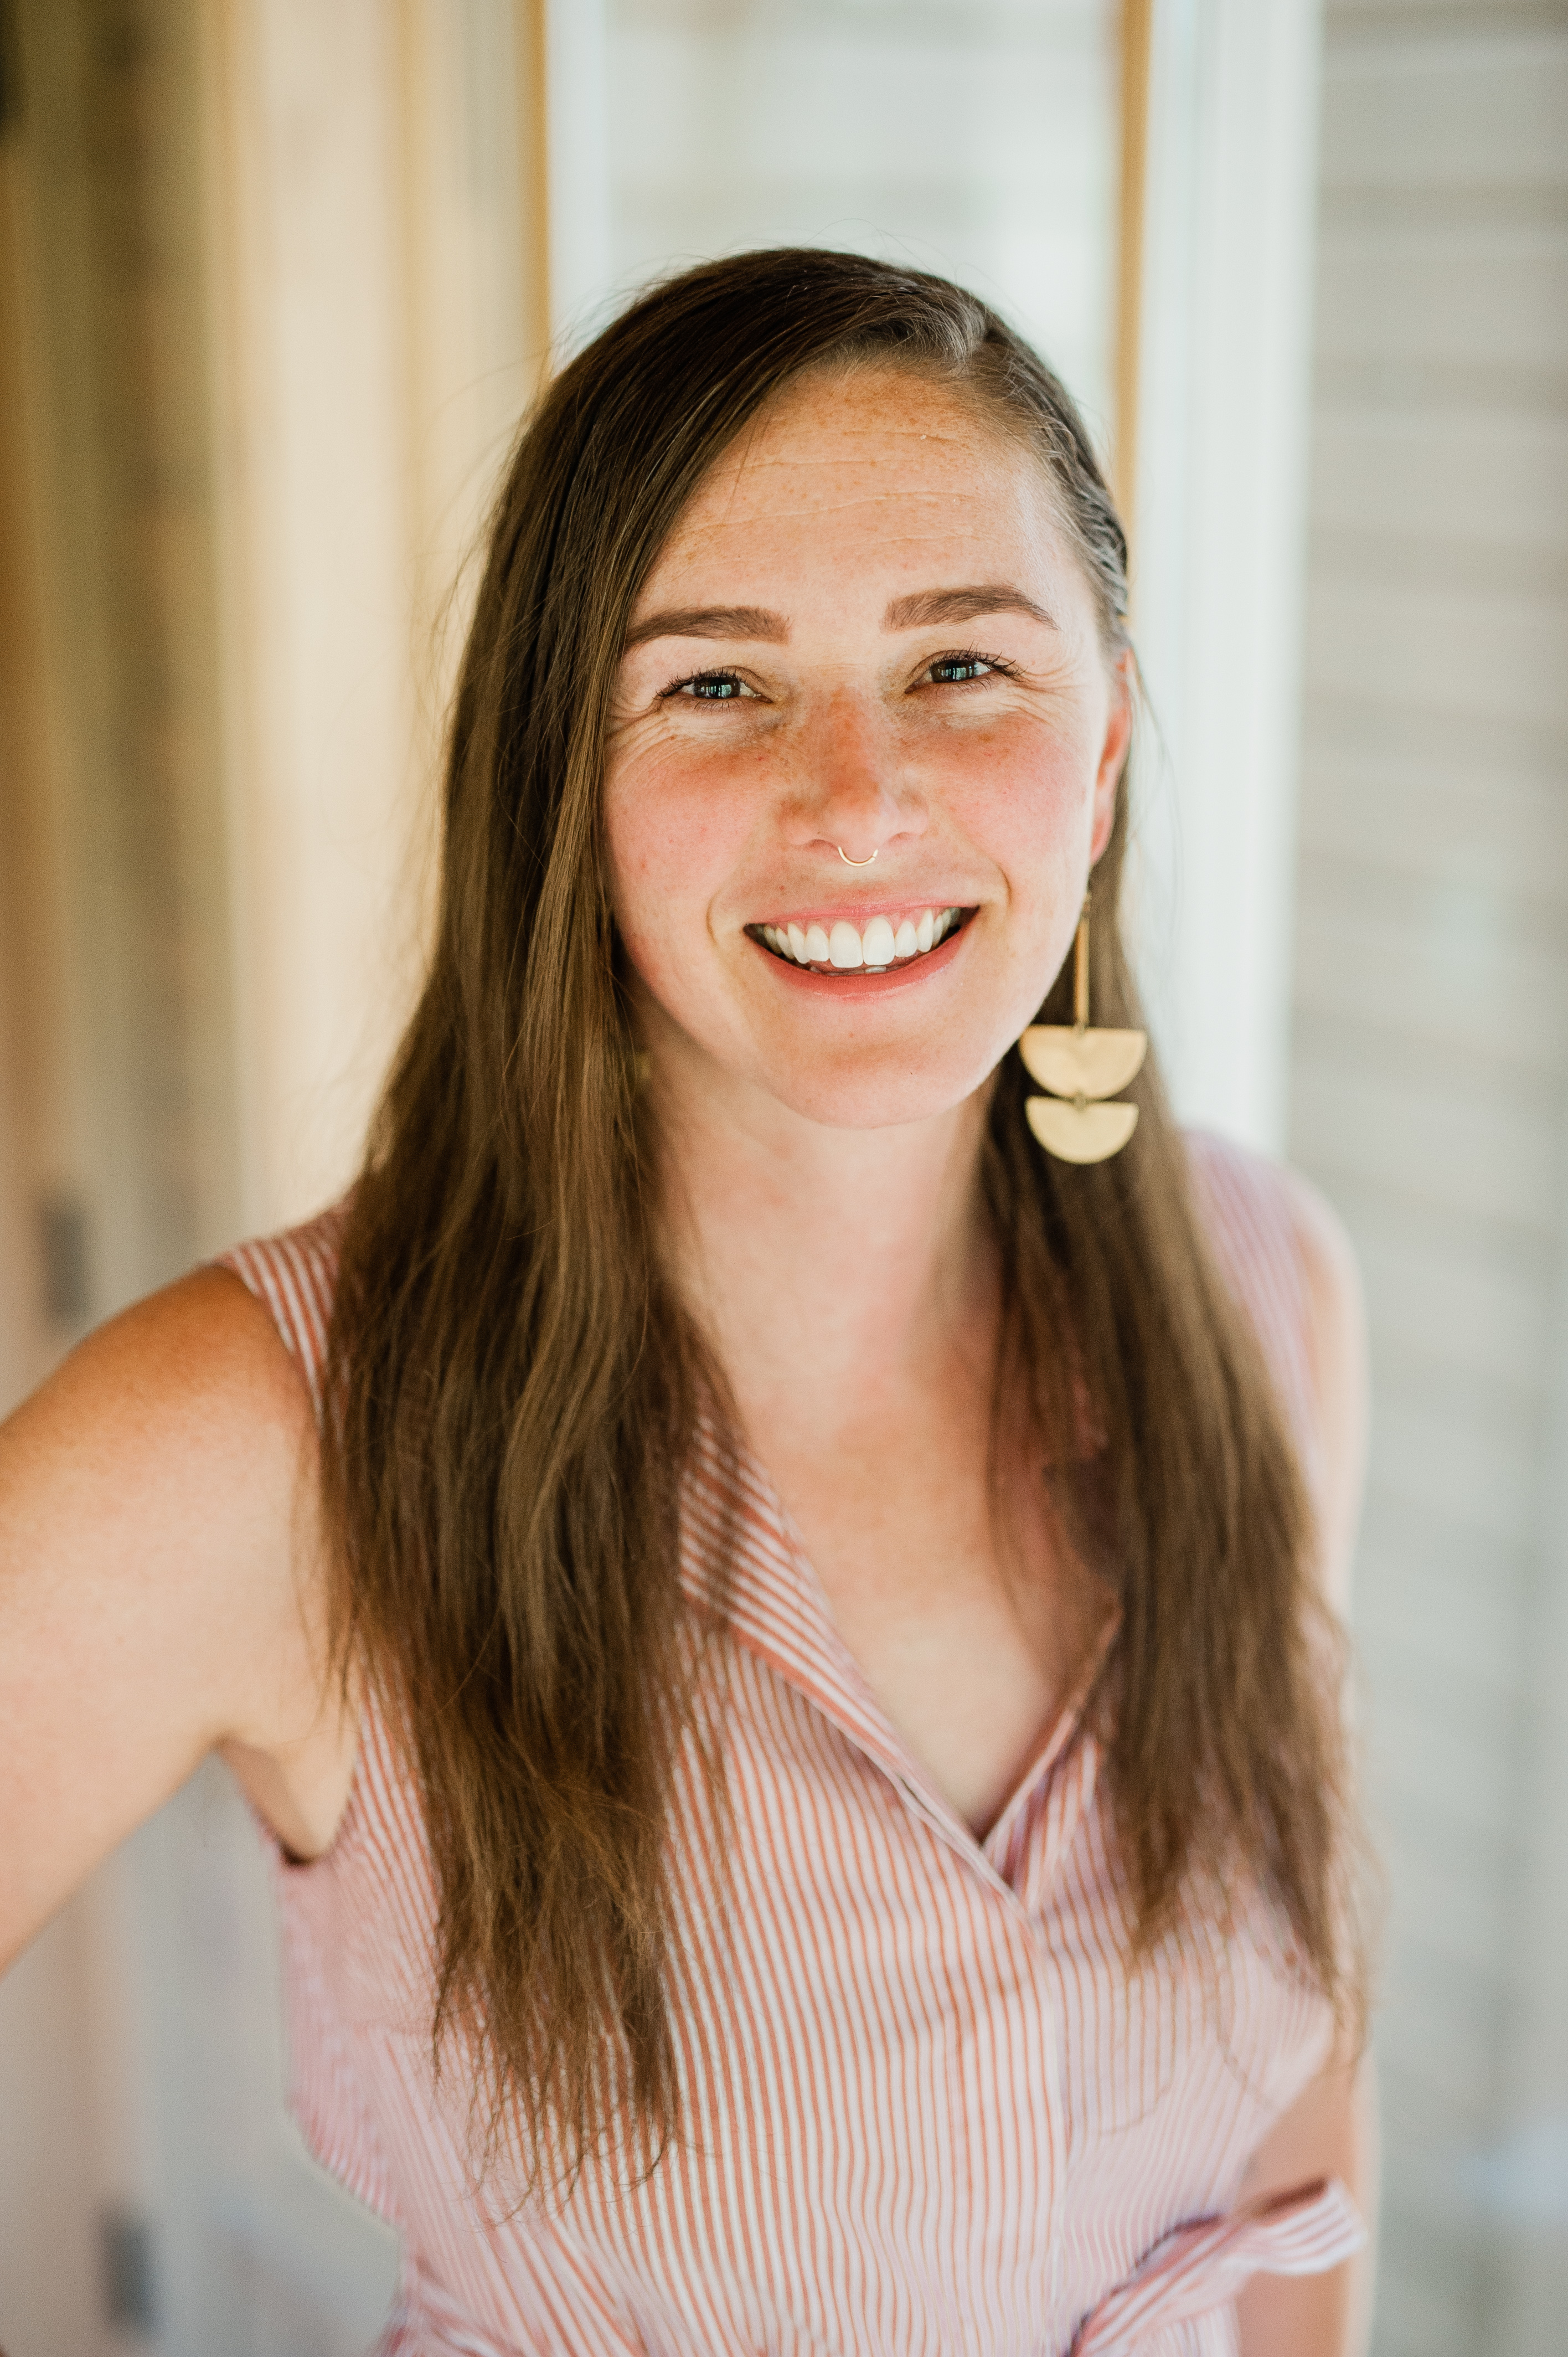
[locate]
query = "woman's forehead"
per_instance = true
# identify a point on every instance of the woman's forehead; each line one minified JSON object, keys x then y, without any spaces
{"x":862,"y":464}
{"x":881,"y":421}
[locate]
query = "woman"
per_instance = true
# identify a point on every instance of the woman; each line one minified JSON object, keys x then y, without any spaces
{"x":778,"y":1629}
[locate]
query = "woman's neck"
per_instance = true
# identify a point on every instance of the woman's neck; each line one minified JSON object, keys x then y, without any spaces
{"x":836,"y":1269}
{"x":847,"y":1281}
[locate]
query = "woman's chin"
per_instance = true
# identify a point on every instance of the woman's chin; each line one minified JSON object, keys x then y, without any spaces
{"x":835,"y":1078}
{"x":848,"y":1093}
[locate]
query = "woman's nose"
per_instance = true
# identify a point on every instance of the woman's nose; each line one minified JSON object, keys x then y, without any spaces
{"x":850,"y":796}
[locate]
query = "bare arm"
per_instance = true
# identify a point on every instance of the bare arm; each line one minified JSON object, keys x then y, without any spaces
{"x":160,"y":1592}
{"x":1331,"y":2129}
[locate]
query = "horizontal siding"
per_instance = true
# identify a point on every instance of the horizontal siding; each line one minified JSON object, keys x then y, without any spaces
{"x":1410,"y":811}
{"x":1442,"y":959}
{"x":1431,"y":1031}
{"x":1410,"y":116}
{"x":1420,"y":290}
{"x":1456,"y":645}
{"x":1496,"y":497}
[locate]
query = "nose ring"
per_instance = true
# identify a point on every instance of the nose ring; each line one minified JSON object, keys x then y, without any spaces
{"x":848,"y":861}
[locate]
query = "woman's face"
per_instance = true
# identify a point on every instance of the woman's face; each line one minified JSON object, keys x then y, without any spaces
{"x":868,"y":633}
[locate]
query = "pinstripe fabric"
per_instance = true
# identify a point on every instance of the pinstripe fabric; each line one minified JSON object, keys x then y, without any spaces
{"x":927,"y":2109}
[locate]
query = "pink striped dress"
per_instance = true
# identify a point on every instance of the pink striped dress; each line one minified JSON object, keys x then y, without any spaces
{"x":926,"y":2109}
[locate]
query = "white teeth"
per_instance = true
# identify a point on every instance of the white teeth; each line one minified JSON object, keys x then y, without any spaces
{"x":878,"y":943}
{"x":846,"y":949}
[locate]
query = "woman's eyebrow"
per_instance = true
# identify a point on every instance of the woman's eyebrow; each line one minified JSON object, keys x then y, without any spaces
{"x":928,"y":605}
{"x":709,"y":622}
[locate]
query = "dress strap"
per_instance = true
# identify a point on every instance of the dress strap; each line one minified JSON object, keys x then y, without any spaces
{"x":1202,"y":2267}
{"x":295,"y":1275}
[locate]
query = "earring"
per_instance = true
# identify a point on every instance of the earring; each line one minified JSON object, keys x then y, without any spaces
{"x":1080,"y":1067}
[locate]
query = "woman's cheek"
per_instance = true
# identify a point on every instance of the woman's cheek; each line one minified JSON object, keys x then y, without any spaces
{"x":669,"y":845}
{"x":1026,"y":805}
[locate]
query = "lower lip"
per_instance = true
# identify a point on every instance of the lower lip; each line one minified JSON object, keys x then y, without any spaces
{"x":858,"y":985}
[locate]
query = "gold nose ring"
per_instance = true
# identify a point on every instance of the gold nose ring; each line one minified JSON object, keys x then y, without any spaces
{"x":848,"y":861}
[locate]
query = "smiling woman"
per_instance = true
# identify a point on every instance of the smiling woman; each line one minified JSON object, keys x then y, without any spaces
{"x":782,"y":1640}
{"x":859,"y":719}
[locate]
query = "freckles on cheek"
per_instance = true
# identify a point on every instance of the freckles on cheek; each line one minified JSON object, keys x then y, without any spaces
{"x":1029,"y":799}
{"x":684,"y":858}
{"x":671,"y":850}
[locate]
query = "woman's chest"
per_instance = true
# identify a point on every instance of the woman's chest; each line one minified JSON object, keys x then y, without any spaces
{"x":916,"y":2082}
{"x":861,"y":1947}
{"x":950,"y":1590}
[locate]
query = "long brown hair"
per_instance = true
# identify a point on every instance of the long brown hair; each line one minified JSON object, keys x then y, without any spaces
{"x":513,"y":1383}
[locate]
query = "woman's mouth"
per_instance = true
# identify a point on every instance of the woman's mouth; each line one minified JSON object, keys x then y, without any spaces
{"x":879,"y":945}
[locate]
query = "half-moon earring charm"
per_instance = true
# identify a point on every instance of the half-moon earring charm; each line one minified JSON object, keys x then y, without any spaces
{"x":1080,"y":1067}
{"x":848,"y":861}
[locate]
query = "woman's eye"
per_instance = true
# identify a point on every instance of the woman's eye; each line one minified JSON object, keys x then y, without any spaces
{"x":952,"y":670}
{"x":711,"y":687}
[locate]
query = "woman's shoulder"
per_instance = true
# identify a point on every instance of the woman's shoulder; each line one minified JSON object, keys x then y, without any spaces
{"x":1279,"y":1240}
{"x":1285,"y":1254}
{"x":1259,"y":1208}
{"x":159,"y":1550}
{"x":293,"y":1275}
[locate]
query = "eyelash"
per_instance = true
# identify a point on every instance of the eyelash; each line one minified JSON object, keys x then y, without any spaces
{"x":704,"y":679}
{"x":959,"y":656}
{"x":996,"y":663}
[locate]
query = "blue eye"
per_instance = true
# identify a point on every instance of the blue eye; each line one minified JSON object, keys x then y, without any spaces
{"x":710,"y":688}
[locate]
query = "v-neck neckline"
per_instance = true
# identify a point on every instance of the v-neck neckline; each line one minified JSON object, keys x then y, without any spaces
{"x":773,"y":1601}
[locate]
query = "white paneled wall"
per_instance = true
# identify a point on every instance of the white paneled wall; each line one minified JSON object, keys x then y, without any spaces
{"x":1428,"y":1096}
{"x":974,"y":138}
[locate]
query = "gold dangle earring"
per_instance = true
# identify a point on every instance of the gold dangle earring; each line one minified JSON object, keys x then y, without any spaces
{"x":1080,"y":1067}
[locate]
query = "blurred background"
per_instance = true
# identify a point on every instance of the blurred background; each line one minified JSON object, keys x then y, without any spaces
{"x":277,"y":278}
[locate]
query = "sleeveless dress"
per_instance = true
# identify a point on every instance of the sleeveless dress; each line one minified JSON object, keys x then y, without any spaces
{"x":925,"y":2110}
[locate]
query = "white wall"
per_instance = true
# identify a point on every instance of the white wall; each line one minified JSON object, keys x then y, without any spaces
{"x":977,"y":140}
{"x":1219,"y":543}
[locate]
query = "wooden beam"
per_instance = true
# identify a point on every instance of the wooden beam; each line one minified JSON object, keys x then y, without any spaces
{"x":1136,"y":38}
{"x":533,"y":177}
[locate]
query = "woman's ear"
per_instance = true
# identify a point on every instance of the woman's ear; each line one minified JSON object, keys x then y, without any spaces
{"x":1113,"y":753}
